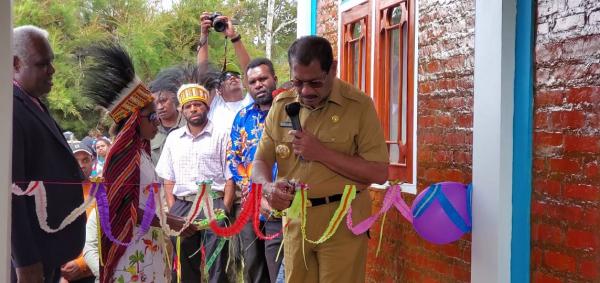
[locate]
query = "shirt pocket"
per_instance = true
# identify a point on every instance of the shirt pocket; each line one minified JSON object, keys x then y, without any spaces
{"x":338,"y":139}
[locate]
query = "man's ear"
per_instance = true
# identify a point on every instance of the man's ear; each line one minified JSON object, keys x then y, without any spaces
{"x":333,"y":68}
{"x":16,"y":64}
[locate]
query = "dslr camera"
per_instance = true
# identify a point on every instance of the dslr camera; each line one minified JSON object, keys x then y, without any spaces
{"x":220,"y":25}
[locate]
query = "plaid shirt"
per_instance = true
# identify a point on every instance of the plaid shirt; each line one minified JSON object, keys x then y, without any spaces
{"x":245,"y":134}
{"x":186,"y":159}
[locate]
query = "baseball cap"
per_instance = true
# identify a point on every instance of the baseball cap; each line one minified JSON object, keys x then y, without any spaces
{"x":79,"y":146}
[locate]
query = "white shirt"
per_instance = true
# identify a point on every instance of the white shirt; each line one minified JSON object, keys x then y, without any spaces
{"x":187,"y":159}
{"x":223,"y":113}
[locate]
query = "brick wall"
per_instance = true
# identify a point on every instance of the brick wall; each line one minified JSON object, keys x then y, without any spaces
{"x":566,"y":186}
{"x":327,"y":22}
{"x":444,"y":153}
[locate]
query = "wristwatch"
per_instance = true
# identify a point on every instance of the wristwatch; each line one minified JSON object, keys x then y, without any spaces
{"x":236,"y":38}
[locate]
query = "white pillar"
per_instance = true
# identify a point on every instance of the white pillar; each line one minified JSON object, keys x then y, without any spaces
{"x":6,"y":141}
{"x":492,"y":140}
{"x":303,"y":18}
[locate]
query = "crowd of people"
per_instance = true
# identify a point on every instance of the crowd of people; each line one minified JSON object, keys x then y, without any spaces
{"x":193,"y":123}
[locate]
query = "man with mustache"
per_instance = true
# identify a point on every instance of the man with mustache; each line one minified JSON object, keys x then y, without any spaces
{"x":259,"y":256}
{"x":341,"y":143}
{"x":197,"y":152}
{"x":40,"y":153}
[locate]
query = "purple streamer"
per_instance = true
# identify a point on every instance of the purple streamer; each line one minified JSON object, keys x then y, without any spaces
{"x":103,"y":211}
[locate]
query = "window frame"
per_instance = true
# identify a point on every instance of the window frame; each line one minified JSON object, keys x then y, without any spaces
{"x":358,"y":14}
{"x":397,"y":171}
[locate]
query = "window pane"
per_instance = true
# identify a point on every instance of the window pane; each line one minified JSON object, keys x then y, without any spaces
{"x":394,"y":87}
{"x":394,"y":153}
{"x":404,"y":81}
{"x":355,"y":63}
{"x":356,"y":29}
{"x":363,"y":66}
{"x":396,"y":15}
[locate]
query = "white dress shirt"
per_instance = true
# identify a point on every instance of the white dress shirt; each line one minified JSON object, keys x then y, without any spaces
{"x":223,"y":113}
{"x":187,"y":159}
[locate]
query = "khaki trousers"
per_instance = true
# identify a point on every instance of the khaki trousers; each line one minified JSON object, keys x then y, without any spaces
{"x":342,"y":258}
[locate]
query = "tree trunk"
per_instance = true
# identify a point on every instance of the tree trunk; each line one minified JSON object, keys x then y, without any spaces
{"x":269,"y":29}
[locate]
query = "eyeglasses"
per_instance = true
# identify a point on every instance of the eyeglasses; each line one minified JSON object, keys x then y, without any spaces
{"x":314,"y":84}
{"x":152,"y":117}
{"x":229,"y":75}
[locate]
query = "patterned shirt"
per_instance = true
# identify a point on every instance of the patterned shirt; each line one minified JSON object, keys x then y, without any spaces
{"x":245,"y":134}
{"x":187,"y":159}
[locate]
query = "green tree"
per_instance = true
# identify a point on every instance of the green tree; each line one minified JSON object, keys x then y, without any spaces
{"x":155,"y":37}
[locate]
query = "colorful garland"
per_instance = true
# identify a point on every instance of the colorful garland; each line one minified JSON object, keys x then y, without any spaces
{"x":202,"y":197}
{"x":256,"y":220}
{"x":248,"y":209}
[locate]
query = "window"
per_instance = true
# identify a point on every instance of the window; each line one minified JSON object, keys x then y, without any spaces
{"x":356,"y":47}
{"x":394,"y":88}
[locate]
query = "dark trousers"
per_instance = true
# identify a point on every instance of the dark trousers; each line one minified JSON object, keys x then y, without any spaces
{"x":259,"y":256}
{"x":51,"y":275}
{"x":191,"y":256}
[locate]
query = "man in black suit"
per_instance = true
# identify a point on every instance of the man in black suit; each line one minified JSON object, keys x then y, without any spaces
{"x":40,"y":152}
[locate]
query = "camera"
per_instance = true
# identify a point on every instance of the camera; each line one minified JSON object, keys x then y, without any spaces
{"x":220,"y":25}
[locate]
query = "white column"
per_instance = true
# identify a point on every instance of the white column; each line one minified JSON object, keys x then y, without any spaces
{"x":6,"y":141}
{"x":492,"y":140}
{"x":303,"y":18}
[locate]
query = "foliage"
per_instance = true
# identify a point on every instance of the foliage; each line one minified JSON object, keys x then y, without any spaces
{"x":156,"y":37}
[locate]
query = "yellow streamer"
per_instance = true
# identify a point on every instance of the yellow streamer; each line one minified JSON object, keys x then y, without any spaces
{"x":99,"y":230}
{"x":380,"y":234}
{"x":178,"y":248}
{"x":347,"y":197}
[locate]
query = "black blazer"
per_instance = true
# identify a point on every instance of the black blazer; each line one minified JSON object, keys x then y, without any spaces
{"x":40,"y":152}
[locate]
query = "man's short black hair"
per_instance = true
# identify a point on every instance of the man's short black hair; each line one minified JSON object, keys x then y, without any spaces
{"x":168,"y":80}
{"x":308,"y":48}
{"x":261,"y":61}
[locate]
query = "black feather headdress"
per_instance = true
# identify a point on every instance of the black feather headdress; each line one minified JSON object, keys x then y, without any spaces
{"x":110,"y":81}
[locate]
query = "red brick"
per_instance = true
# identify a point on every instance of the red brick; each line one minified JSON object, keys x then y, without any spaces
{"x":547,"y":234}
{"x":454,"y":175}
{"x":567,"y":166}
{"x":539,"y":164}
{"x":442,"y":156}
{"x":444,"y":121}
{"x":548,"y":98}
{"x":536,"y":256}
{"x":465,"y":120}
{"x":583,"y":95}
{"x":539,"y":277}
{"x":550,"y":187}
{"x":560,"y":262}
{"x":568,"y":119}
{"x":592,"y":170}
{"x":590,"y":270}
{"x":579,"y":239}
{"x":582,"y":192}
{"x":541,"y":120}
{"x":548,"y":139}
{"x":582,"y":144}
{"x":591,"y":215}
{"x":426,"y":121}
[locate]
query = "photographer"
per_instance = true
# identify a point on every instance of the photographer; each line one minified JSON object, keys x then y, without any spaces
{"x":231,"y":97}
{"x":222,"y":24}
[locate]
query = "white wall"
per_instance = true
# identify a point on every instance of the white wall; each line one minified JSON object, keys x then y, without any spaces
{"x":303,"y":18}
{"x":6,"y":141}
{"x":492,"y":140}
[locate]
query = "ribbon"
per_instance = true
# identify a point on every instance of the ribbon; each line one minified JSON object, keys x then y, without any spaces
{"x":347,"y":197}
{"x":38,"y":191}
{"x":248,"y":210}
{"x":103,"y":210}
{"x":202,"y":201}
{"x":388,"y":200}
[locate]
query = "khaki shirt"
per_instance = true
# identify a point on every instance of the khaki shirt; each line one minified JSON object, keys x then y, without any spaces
{"x":158,"y":142}
{"x":346,"y":123}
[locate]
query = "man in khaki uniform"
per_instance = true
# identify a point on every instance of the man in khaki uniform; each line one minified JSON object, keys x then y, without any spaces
{"x":341,"y":143}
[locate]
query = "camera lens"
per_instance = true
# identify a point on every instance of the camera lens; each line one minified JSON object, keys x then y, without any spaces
{"x":220,"y":25}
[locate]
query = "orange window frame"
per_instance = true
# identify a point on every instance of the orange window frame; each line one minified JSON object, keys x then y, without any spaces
{"x":359,"y":15}
{"x":403,"y":169}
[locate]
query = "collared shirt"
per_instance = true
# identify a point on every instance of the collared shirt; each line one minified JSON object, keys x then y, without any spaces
{"x":346,"y":122}
{"x":35,"y":100}
{"x":187,"y":159}
{"x":158,"y":142}
{"x":245,"y":135}
{"x":223,"y":113}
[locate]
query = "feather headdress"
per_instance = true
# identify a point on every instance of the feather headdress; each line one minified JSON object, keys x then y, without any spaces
{"x":111,"y":81}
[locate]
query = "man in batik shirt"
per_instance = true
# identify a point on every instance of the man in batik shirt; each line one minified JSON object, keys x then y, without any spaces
{"x":260,"y":264}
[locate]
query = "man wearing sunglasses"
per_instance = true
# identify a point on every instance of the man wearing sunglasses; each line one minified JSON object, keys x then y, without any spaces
{"x":341,"y":143}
